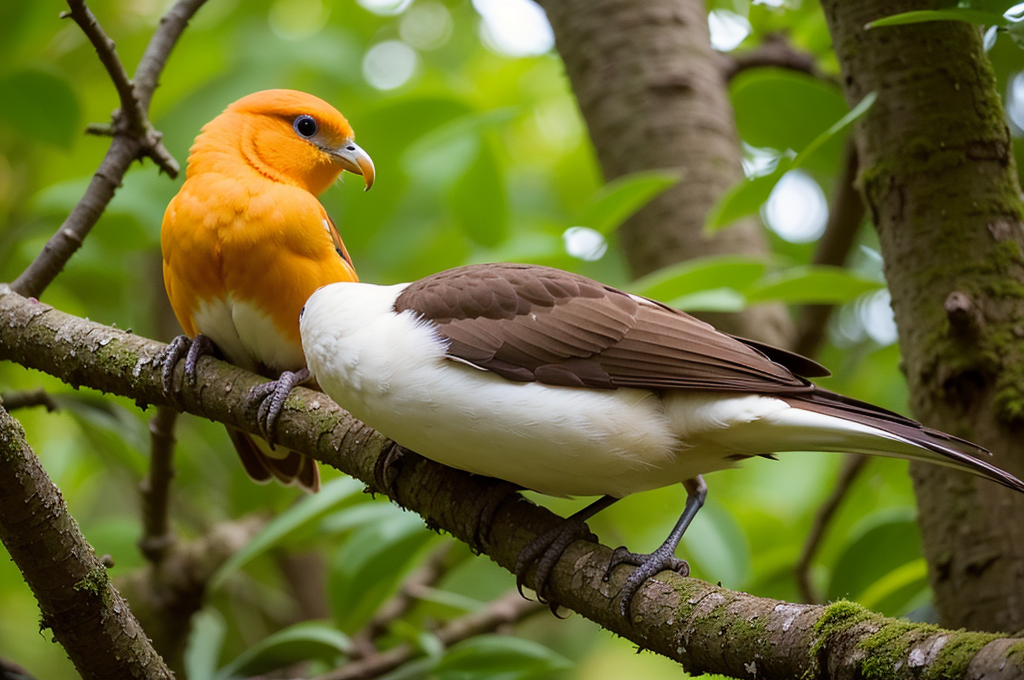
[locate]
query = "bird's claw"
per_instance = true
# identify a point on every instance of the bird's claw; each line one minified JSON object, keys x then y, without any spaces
{"x":178,"y":347}
{"x":546,"y":550}
{"x":647,"y":565}
{"x":201,"y":346}
{"x":268,"y":399}
{"x":385,"y":470}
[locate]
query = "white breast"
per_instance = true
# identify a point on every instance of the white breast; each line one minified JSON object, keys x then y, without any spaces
{"x":247,"y":336}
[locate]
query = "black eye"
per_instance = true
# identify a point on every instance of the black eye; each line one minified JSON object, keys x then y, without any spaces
{"x":306,"y":126}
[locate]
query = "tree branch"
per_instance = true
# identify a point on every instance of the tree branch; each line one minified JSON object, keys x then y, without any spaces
{"x":157,"y":536}
{"x":853,"y":464}
{"x":78,"y":603}
{"x":12,"y":401}
{"x":508,"y":609}
{"x":704,"y":627}
{"x":133,"y":138}
{"x":775,"y":51}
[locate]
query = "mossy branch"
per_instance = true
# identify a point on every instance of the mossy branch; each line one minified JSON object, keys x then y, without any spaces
{"x":704,"y":627}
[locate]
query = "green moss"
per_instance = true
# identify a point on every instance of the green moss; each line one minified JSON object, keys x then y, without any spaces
{"x":1015,"y":654}
{"x":839,"y":617}
{"x":888,"y":647}
{"x":95,"y":582}
{"x":952,"y":659}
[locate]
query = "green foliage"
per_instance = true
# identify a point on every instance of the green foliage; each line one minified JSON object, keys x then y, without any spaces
{"x":480,"y":157}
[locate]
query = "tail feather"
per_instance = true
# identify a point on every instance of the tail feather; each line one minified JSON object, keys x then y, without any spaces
{"x":286,"y":466}
{"x":859,"y":427}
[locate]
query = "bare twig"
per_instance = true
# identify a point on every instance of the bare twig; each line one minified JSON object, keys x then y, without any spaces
{"x":775,"y":51}
{"x":704,"y":627}
{"x":87,"y":615}
{"x":12,"y":401}
{"x":508,"y":609}
{"x":432,"y":570}
{"x":853,"y":464}
{"x":844,"y":220}
{"x":157,"y":537}
{"x":133,"y":138}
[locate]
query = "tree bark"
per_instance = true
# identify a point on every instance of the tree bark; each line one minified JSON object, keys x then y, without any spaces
{"x":939,"y":179}
{"x":706,"y":628}
{"x":653,"y":94}
{"x":87,"y":615}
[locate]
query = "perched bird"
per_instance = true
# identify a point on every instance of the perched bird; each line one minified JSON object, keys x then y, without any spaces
{"x":562,"y":385}
{"x":245,"y":242}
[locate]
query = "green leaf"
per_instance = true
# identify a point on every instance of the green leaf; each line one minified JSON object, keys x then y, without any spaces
{"x":890,"y":540}
{"x":971,"y":16}
{"x":898,"y":591}
{"x":618,"y":200}
{"x":745,"y":198}
{"x":40,"y":104}
{"x":812,"y":284}
{"x":714,"y":300}
{"x":478,"y":202}
{"x":499,"y":657}
{"x":300,"y":642}
{"x":781,"y":109}
{"x":369,"y":566}
{"x":306,"y":510}
{"x":701,"y":274}
{"x":204,"y":644}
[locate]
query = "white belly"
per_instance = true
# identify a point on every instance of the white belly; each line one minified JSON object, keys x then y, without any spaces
{"x":247,"y":336}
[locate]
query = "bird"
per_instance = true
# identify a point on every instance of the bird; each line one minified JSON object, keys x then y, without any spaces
{"x":565,"y":386}
{"x":245,"y":241}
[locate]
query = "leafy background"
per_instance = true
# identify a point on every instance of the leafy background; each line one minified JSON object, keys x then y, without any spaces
{"x":481,"y":156}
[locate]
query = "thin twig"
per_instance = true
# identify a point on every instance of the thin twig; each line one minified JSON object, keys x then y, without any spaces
{"x":775,"y":51}
{"x":853,"y":464}
{"x":133,"y":138}
{"x":157,"y":537}
{"x":432,"y":571}
{"x":78,"y":603}
{"x":12,"y":401}
{"x":844,"y":220}
{"x":12,"y":671}
{"x":508,"y":609}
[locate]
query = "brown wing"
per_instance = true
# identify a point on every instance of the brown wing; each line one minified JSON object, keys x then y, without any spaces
{"x":339,"y":245}
{"x":532,"y":323}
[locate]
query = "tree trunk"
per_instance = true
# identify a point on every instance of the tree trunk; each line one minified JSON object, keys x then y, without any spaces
{"x":653,"y":94}
{"x":940,"y":183}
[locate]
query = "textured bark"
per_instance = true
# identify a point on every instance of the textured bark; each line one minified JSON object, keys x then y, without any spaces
{"x":653,"y":94}
{"x":705,"y":628}
{"x":939,"y":180}
{"x":87,"y":615}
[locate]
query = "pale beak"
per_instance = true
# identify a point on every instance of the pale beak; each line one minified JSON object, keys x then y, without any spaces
{"x":350,"y":157}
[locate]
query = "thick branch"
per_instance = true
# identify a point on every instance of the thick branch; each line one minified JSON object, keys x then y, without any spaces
{"x":133,"y":138}
{"x":78,"y":603}
{"x":706,"y":628}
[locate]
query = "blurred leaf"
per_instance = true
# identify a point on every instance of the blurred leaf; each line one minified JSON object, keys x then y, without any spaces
{"x":714,"y":300}
{"x":898,"y":591}
{"x":890,"y":540}
{"x":300,"y":642}
{"x":499,"y":657}
{"x":815,"y":284}
{"x":782,"y":109}
{"x":306,"y":510}
{"x":357,"y":516}
{"x":954,"y":14}
{"x":40,"y":104}
{"x":745,"y":198}
{"x":204,"y":644}
{"x":618,"y":200}
{"x":700,"y":274}
{"x":478,"y":200}
{"x":369,"y":566}
{"x":112,"y":430}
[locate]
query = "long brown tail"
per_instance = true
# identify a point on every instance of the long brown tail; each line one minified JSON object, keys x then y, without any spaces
{"x":286,"y":466}
{"x":908,"y":438}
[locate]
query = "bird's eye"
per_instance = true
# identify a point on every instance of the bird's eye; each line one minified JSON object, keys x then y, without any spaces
{"x":306,"y":126}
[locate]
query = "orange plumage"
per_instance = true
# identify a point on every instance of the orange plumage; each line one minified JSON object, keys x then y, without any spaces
{"x":245,"y":242}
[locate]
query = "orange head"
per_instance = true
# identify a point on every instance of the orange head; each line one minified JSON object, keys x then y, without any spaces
{"x":288,"y":136}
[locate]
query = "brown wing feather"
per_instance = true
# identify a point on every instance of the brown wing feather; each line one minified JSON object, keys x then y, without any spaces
{"x":531,"y":323}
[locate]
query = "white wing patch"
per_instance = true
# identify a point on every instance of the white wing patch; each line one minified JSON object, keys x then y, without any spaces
{"x":247,"y":336}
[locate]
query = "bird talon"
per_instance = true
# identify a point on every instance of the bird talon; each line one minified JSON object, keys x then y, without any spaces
{"x":201,"y":346}
{"x":268,"y":399}
{"x":385,"y":471}
{"x":177,"y":348}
